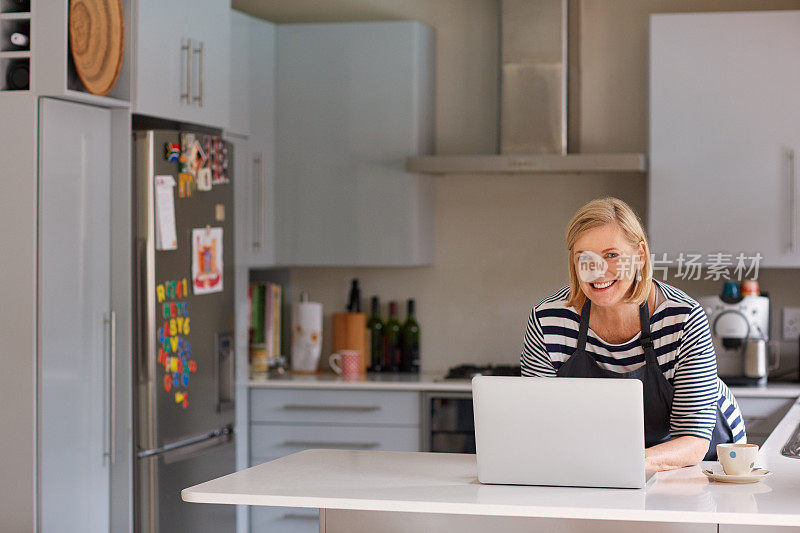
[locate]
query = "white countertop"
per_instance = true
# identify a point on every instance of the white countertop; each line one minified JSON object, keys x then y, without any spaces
{"x":433,"y":382}
{"x":447,"y":483}
{"x":372,"y":381}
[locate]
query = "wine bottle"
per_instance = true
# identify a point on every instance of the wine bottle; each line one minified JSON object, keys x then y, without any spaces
{"x":391,"y":340}
{"x":375,"y":328}
{"x":410,"y":342}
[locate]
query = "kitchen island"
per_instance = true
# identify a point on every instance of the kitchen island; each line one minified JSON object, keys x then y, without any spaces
{"x":402,"y":491}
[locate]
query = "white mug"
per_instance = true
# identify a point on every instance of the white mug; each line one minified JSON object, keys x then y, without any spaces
{"x":737,"y":459}
{"x":347,"y":363}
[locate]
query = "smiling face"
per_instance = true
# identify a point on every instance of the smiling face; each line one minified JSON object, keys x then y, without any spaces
{"x":606,"y":264}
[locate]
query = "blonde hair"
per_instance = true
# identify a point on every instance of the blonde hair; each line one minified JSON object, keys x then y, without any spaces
{"x":598,"y":213}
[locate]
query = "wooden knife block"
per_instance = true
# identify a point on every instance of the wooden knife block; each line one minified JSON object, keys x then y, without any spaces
{"x":350,"y":333}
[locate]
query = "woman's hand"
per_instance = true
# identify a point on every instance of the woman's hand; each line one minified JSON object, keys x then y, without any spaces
{"x":676,"y":453}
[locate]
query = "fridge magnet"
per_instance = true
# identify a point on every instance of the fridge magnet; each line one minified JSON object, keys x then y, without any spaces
{"x":174,"y":309}
{"x":204,"y":179}
{"x":187,"y":142}
{"x":166,"y":237}
{"x":172,"y":152}
{"x":174,"y":290}
{"x":192,"y":157}
{"x":206,"y":260}
{"x":218,"y":160}
{"x":182,"y":398}
{"x":185,"y":185}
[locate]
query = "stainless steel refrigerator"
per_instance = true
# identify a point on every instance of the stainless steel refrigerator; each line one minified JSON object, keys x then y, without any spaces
{"x":184,"y":362}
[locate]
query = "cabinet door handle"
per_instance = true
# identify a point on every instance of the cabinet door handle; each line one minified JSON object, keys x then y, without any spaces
{"x":258,"y":201}
{"x":111,"y":416}
{"x":792,"y":202}
{"x":299,"y":516}
{"x":187,"y":96}
{"x":201,"y":59}
{"x":348,"y":408}
{"x":330,"y":444}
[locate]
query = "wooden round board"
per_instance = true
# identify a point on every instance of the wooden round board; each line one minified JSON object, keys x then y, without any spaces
{"x":97,"y":40}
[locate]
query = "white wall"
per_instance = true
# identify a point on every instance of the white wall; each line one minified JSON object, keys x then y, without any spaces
{"x":499,"y":239}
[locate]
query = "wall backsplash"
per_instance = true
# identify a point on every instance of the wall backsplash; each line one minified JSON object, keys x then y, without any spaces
{"x":500,"y":239}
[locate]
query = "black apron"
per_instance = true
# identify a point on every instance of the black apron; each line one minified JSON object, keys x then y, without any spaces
{"x":657,"y":389}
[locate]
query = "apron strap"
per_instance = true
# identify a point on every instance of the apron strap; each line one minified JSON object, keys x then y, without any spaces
{"x":645,"y":339}
{"x":584,"y":325}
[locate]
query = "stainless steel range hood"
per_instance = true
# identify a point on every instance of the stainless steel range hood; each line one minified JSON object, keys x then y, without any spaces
{"x":533,"y":102}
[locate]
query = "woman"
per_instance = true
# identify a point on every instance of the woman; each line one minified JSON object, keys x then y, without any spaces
{"x":615,"y":320}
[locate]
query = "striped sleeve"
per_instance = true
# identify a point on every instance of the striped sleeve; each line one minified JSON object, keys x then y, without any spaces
{"x":534,"y":360}
{"x":694,"y":405}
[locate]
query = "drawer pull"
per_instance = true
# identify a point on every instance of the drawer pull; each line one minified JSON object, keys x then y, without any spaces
{"x":300,"y":516}
{"x":350,"y":408}
{"x":330,"y":444}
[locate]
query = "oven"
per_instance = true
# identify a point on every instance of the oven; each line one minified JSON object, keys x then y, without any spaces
{"x":448,"y":422}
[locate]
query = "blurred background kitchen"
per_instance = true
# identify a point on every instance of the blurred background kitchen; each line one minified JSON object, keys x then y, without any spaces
{"x":343,"y":124}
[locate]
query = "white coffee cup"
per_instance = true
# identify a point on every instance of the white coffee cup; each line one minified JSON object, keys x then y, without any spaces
{"x":737,"y":459}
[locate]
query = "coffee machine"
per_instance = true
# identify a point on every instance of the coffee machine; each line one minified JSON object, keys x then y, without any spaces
{"x":740,"y":332}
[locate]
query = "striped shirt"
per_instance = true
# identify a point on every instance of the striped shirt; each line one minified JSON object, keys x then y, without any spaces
{"x":683,"y":347}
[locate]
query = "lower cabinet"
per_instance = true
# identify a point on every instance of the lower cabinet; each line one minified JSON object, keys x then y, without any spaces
{"x":350,"y":521}
{"x":286,"y":421}
{"x":735,"y":528}
{"x":283,"y":520}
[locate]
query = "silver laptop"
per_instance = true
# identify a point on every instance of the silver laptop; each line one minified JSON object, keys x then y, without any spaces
{"x":577,"y":432}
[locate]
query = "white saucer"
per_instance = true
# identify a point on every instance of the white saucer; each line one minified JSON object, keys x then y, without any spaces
{"x":753,"y":477}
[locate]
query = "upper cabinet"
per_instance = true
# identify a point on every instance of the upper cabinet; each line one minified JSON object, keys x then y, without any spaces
{"x":354,"y":100}
{"x":724,"y":141}
{"x":239,"y":94}
{"x":182,"y":60}
{"x":252,"y":129}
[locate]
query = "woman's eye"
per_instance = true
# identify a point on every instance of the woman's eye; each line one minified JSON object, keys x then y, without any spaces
{"x":612,"y":255}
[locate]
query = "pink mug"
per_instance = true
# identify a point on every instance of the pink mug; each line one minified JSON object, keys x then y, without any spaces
{"x":347,"y":363}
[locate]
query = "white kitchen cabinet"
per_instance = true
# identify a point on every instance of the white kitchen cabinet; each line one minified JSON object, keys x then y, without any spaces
{"x":182,"y":60}
{"x":285,"y":421}
{"x":253,"y":124}
{"x":724,"y":142}
{"x":353,"y":101}
{"x":239,"y":91}
{"x":75,"y":320}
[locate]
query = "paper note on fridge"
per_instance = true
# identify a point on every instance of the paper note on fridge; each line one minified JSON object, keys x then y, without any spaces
{"x":206,"y":260}
{"x":166,"y":238}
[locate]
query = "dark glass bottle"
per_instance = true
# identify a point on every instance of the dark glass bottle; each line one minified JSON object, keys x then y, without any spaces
{"x":391,"y":340}
{"x":410,"y":342}
{"x":354,"y":300}
{"x":375,"y":328}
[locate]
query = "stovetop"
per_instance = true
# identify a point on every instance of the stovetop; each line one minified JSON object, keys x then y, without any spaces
{"x":470,"y":371}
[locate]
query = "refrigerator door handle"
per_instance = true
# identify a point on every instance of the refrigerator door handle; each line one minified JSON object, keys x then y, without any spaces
{"x":147,"y":338}
{"x":191,"y":447}
{"x":111,"y":402}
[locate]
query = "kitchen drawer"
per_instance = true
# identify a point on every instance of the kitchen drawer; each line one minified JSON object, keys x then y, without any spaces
{"x":283,"y":520}
{"x":309,"y":406}
{"x":270,"y":441}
